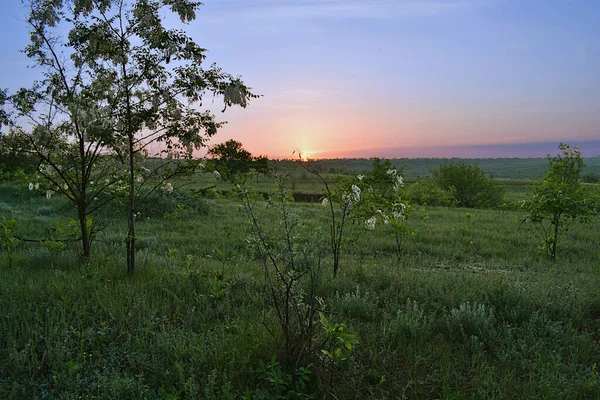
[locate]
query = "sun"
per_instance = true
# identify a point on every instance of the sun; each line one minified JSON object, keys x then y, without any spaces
{"x":305,"y":156}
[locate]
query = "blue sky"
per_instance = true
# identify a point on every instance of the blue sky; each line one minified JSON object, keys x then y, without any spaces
{"x":369,"y":77}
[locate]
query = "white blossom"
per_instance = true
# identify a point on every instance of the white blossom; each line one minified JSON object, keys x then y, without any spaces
{"x":235,"y":93}
{"x":36,"y":186}
{"x":168,"y":188}
{"x":325,"y":202}
{"x":353,"y":196}
{"x":355,"y":193}
{"x":30,"y":186}
{"x":398,"y":211}
{"x":139,"y":179}
{"x":360,"y":177}
{"x":49,"y":194}
{"x":370,"y":223}
{"x":391,"y":172}
{"x":398,"y":183}
{"x":384,"y":217}
{"x":217,"y":174}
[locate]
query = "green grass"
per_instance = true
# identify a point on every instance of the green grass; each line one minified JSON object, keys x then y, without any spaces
{"x":471,"y":310}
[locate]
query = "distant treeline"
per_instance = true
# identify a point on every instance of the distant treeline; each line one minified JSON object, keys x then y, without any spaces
{"x":510,"y":168}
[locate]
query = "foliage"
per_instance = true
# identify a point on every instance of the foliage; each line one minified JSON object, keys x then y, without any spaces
{"x":278,"y":384}
{"x":426,"y":192}
{"x":471,"y":186}
{"x":591,"y":178}
{"x":384,"y":198}
{"x":143,"y":82}
{"x":338,"y":343}
{"x":57,"y":123}
{"x":8,"y":240}
{"x":364,"y":198}
{"x":232,"y":161}
{"x":560,"y":199}
{"x":72,"y":331}
{"x":292,"y":274}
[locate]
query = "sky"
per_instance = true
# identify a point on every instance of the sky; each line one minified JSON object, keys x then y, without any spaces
{"x":393,"y":78}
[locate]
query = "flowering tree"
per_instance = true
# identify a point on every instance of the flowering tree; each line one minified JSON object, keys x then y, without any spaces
{"x":147,"y":81}
{"x":560,"y":199}
{"x":384,"y":200}
{"x":58,"y":122}
{"x":366,"y":198}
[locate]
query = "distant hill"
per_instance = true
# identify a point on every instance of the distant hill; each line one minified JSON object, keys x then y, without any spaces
{"x":513,"y":168}
{"x":514,"y":150}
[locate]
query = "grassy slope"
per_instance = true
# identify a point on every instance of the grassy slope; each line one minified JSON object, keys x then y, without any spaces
{"x":470,"y":310}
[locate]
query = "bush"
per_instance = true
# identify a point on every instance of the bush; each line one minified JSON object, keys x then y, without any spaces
{"x":425,"y":192}
{"x":591,"y":178}
{"x":560,"y":199}
{"x":472,"y":187}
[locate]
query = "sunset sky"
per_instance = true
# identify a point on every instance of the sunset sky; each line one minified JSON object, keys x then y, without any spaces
{"x":362,"y":78}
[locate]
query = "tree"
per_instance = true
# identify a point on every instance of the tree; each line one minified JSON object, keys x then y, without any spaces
{"x":560,"y":199}
{"x":471,"y":186}
{"x":60,"y":123}
{"x":230,"y":159}
{"x":149,"y":78}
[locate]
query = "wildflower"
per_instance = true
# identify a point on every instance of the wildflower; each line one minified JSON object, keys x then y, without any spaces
{"x":37,"y":185}
{"x":360,"y":177}
{"x":370,"y":223}
{"x":49,"y":194}
{"x":168,"y":188}
{"x":325,"y":202}
{"x":391,"y":172}
{"x":107,"y":181}
{"x":30,"y":186}
{"x":139,"y":179}
{"x":217,"y":174}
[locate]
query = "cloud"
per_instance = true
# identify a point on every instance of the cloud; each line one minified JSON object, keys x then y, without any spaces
{"x":362,"y":9}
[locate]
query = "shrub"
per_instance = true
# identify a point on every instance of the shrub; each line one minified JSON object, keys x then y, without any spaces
{"x":560,"y":199}
{"x":472,"y":187}
{"x":425,"y":192}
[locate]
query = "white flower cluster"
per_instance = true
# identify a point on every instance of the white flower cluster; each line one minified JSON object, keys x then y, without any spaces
{"x":398,"y":211}
{"x":35,"y":186}
{"x":49,"y":194}
{"x":168,"y":188}
{"x":352,"y":197}
{"x":325,"y":202}
{"x":575,"y":153}
{"x":398,"y":181}
{"x":217,"y":174}
{"x":384,"y":217}
{"x":370,"y":223}
{"x":360,"y":177}
{"x":235,"y":93}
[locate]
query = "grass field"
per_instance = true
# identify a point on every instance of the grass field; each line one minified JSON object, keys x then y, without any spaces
{"x":470,"y":310}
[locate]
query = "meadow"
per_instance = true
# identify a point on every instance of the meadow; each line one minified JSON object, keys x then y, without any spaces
{"x":470,"y":309}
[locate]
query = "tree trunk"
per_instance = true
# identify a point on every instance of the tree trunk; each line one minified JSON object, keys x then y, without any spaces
{"x":131,"y":231}
{"x":86,"y":245}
